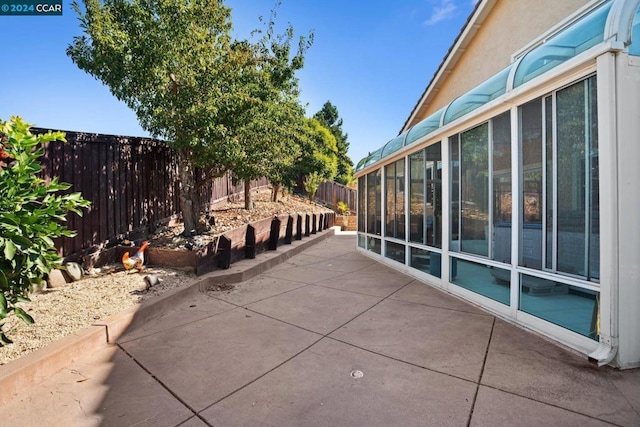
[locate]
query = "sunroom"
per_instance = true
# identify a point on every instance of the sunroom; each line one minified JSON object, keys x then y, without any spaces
{"x":520,"y":195}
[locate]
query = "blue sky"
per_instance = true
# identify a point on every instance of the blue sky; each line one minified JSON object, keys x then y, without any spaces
{"x":371,"y":59}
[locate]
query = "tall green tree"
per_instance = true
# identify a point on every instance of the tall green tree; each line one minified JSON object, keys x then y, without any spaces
{"x":175,"y":65}
{"x":319,"y":152}
{"x":329,"y":117}
{"x":271,"y":119}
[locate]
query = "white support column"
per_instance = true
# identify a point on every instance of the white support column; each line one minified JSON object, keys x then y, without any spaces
{"x":607,"y":147}
{"x":620,"y":239}
{"x":446,"y":211}
{"x":516,"y":203}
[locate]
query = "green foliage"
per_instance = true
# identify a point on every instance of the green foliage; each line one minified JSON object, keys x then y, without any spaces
{"x":175,"y":65}
{"x":319,"y":152}
{"x":311,"y":184}
{"x":269,"y":123}
{"x":224,"y":104}
{"x":343,"y":208}
{"x":329,"y":117}
{"x":31,"y":216}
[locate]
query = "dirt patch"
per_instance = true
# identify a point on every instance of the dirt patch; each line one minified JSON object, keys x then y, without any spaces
{"x":221,"y":287}
{"x":62,"y":311}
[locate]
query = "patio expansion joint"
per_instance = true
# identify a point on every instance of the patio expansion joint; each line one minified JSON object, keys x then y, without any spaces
{"x":263,"y":374}
{"x":127,"y":341}
{"x":479,"y":383}
{"x":484,"y":363}
{"x":552,"y":405}
{"x":164,"y":386}
{"x":321,"y":337}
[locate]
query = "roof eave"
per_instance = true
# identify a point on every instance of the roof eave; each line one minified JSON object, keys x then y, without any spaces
{"x":474,"y":22}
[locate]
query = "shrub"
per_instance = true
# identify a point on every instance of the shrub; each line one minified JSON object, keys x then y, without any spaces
{"x":343,"y":208}
{"x":31,"y":216}
{"x":311,"y":184}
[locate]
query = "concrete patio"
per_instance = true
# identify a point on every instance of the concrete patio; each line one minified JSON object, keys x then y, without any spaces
{"x":329,"y":338}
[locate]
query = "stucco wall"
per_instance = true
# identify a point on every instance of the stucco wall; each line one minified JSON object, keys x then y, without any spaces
{"x":511,"y":25}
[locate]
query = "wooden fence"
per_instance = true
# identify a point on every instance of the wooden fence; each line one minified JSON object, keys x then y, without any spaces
{"x":132,"y":184}
{"x":331,"y":193}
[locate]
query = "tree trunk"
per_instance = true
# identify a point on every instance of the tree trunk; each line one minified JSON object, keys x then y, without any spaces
{"x":248,"y":203}
{"x":274,"y":195}
{"x":189,"y":203}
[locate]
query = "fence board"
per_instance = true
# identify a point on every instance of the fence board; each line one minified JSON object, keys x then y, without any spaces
{"x":131,"y":182}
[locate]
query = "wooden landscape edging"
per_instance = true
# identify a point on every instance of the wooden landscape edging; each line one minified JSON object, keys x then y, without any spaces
{"x":207,"y":259}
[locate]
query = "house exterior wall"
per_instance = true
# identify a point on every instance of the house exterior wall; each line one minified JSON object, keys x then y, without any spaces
{"x":510,"y":26}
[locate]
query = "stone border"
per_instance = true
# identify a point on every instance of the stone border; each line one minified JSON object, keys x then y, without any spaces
{"x":33,"y":368}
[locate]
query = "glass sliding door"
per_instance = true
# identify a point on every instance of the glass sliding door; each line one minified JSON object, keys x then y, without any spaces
{"x":433,"y":196}
{"x":501,"y":178}
{"x":362,"y":203}
{"x":474,"y":190}
{"x":577,"y":151}
{"x":374,"y":202}
{"x":560,"y":182}
{"x":395,"y":199}
{"x":530,"y":120}
{"x":416,"y":194}
{"x":455,"y":193}
{"x":549,"y":189}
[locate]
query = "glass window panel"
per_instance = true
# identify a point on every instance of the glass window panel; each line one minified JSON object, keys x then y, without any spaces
{"x":426,"y":261}
{"x":416,"y":189}
{"x":568,"y":306}
{"x":362,"y":203}
{"x":394,"y":145}
{"x":362,"y":241}
{"x":634,"y":48}
{"x":474,"y":190}
{"x":400,"y":200}
{"x":374,"y":245}
{"x":424,"y":128}
{"x":433,"y":207}
{"x":373,"y":157}
{"x":390,"y":200}
{"x":374,"y":202}
{"x":361,"y":164}
{"x":572,"y":133}
{"x":394,"y":206}
{"x":491,"y":282}
{"x":531,"y":146}
{"x":502,"y":187}
{"x":573,"y":40}
{"x":594,"y":177}
{"x":395,"y":252}
{"x":578,"y":215}
{"x":478,"y":96}
{"x":549,"y":183}
{"x":455,"y":193}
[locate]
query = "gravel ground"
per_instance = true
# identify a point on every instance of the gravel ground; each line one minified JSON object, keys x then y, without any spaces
{"x":62,"y":311}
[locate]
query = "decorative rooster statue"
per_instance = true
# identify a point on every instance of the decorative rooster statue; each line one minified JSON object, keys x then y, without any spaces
{"x":136,"y":260}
